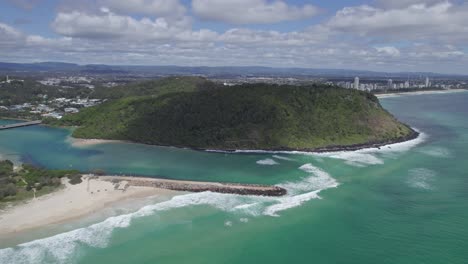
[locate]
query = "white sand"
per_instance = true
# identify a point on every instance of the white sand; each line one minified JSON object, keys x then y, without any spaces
{"x":71,"y":202}
{"x":421,"y":92}
{"x":79,"y":142}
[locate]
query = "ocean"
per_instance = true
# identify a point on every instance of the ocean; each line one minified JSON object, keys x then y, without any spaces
{"x":405,"y":203}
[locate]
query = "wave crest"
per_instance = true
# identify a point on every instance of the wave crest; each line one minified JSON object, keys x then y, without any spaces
{"x":62,"y":248}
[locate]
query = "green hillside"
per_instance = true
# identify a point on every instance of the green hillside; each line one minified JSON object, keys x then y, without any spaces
{"x":256,"y":116}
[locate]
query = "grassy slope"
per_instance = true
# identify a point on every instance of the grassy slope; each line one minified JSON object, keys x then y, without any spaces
{"x":244,"y":117}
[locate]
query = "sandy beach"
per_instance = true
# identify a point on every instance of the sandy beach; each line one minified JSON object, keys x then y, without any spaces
{"x":72,"y":202}
{"x":421,"y":92}
{"x":79,"y":142}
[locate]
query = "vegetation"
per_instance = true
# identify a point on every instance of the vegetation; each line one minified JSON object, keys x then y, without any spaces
{"x":253,"y":116}
{"x":154,"y":87}
{"x":23,"y":182}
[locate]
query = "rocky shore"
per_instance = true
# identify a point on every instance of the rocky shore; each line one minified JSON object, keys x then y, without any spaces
{"x":333,"y":148}
{"x":193,"y":186}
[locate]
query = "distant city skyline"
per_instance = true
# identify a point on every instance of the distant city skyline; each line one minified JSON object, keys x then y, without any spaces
{"x":376,"y":35}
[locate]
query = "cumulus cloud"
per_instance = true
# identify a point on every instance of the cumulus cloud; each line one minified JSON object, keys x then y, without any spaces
{"x":9,"y":35}
{"x":441,"y":21}
{"x":391,"y":51}
{"x":251,"y":11}
{"x":107,"y":25}
{"x":145,"y":7}
{"x":405,"y":3}
{"x":408,"y":37}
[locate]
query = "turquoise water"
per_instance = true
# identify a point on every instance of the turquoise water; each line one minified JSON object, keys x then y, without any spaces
{"x":403,"y":204}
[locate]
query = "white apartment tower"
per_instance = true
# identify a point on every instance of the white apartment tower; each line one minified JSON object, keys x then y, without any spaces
{"x":356,"y":83}
{"x":427,"y":82}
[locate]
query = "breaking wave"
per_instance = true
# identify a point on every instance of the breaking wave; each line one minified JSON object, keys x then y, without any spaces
{"x":358,"y":158}
{"x":281,"y":157}
{"x":373,"y":156}
{"x":267,"y":162}
{"x":63,"y":248}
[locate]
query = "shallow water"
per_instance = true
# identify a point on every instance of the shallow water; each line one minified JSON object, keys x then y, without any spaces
{"x":404,"y":204}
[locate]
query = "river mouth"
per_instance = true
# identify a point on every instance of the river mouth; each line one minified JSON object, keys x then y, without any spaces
{"x":353,"y":203}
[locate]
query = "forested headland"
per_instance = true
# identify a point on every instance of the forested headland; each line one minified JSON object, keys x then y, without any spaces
{"x":193,"y":112}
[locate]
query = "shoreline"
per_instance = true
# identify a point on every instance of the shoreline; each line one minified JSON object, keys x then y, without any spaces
{"x":96,"y":193}
{"x":72,"y":202}
{"x":83,"y":142}
{"x":377,"y":146}
{"x":392,"y":94}
{"x":79,"y":142}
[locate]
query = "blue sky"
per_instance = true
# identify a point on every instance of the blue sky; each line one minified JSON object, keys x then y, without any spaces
{"x":398,"y":35}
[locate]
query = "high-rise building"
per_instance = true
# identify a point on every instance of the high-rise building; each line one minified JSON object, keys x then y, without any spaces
{"x":390,"y":83}
{"x":407,"y":84}
{"x":356,"y":83}
{"x":427,"y":82}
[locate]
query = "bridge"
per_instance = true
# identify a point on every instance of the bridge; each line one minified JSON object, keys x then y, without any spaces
{"x":22,"y":124}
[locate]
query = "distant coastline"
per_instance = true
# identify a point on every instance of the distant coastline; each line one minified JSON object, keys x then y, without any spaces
{"x":392,"y":94}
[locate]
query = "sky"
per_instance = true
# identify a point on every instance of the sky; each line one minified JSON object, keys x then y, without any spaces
{"x":379,"y":35}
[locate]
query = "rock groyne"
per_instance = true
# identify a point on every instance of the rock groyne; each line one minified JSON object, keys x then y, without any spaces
{"x":193,"y":186}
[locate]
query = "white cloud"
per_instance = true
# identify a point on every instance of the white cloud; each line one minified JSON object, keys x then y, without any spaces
{"x":362,"y":37}
{"x":145,"y":7}
{"x":443,"y":21}
{"x":251,"y":11}
{"x":391,"y":51}
{"x":109,"y":25}
{"x":405,"y":3}
{"x":9,"y":36}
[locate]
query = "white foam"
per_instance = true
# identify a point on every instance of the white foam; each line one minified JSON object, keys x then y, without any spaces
{"x":61,"y":248}
{"x":370,"y":156}
{"x":290,"y":202}
{"x":281,"y":157}
{"x":358,"y":158}
{"x":421,"y":178}
{"x":317,"y":181}
{"x":228,"y":223}
{"x":244,"y":220}
{"x":438,"y":152}
{"x":267,"y":162}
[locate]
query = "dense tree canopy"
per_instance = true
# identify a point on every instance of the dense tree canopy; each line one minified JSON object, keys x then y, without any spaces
{"x":253,"y":116}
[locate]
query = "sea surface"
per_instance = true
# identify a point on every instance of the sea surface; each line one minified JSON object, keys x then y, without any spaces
{"x":406,"y":203}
